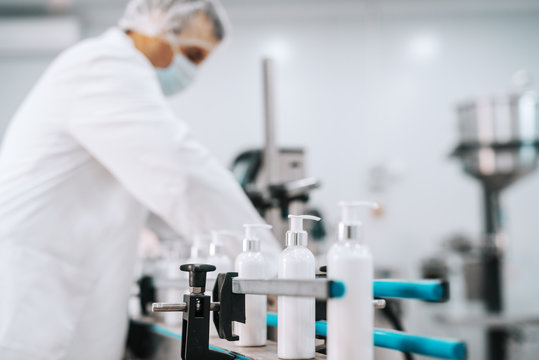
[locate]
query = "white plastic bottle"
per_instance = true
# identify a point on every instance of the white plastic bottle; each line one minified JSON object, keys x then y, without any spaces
{"x":351,"y":318}
{"x":251,"y":264}
{"x":198,"y":251}
{"x":221,"y":261}
{"x":296,"y":328}
{"x":218,"y":256}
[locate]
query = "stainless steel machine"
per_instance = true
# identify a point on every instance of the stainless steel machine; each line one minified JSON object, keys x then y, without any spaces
{"x":274,"y":177}
{"x":499,"y":144}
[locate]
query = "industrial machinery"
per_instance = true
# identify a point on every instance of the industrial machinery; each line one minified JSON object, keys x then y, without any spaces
{"x":228,"y":305}
{"x":273,"y":177}
{"x":499,"y":144}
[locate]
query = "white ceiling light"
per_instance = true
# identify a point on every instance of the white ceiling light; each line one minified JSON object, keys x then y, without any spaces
{"x":277,"y":48}
{"x":424,"y":46}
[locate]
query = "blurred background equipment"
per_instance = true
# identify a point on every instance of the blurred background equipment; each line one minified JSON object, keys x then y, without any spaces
{"x":357,"y":82}
{"x":499,"y":144}
{"x":273,"y":177}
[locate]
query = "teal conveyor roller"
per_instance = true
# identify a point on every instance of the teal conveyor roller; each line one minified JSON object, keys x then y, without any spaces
{"x":438,"y":348}
{"x":427,"y":290}
{"x":396,"y":340}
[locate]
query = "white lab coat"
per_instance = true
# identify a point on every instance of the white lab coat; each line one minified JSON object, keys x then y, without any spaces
{"x":91,"y":149}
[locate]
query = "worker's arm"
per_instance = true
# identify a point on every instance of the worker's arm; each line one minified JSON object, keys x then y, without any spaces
{"x":129,"y":128}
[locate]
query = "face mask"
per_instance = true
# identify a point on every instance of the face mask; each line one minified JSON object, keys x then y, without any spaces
{"x":177,"y":76}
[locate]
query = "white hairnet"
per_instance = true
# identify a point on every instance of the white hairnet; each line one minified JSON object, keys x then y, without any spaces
{"x":170,"y":17}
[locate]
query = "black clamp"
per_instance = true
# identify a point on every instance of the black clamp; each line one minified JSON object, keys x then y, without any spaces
{"x":231,"y":306}
{"x":196,"y":309}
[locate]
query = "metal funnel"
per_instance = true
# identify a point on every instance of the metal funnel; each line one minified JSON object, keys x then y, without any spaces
{"x":499,"y":144}
{"x":499,"y":138}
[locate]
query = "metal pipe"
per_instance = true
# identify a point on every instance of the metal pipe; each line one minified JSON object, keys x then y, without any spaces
{"x":492,"y":252}
{"x":271,"y":160}
{"x":162,"y":307}
{"x":379,"y":304}
{"x":319,"y":288}
{"x":492,"y":260}
{"x":492,"y":215}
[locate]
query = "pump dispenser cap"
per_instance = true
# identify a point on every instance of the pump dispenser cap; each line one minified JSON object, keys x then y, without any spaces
{"x":217,"y":244}
{"x":296,"y":235}
{"x":199,"y":247}
{"x":251,"y":242}
{"x":350,"y":226}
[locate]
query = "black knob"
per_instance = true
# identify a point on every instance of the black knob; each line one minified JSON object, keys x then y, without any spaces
{"x":197,"y":274}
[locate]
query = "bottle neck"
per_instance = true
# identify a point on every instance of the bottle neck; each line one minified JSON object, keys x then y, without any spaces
{"x":350,"y":232}
{"x":195,"y":251}
{"x":296,"y":238}
{"x":251,"y":245}
{"x":216,"y":249}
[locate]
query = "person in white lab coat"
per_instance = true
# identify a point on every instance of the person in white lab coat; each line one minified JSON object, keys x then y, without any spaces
{"x":91,"y":150}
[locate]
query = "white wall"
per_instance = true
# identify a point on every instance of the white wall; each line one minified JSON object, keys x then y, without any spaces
{"x":370,"y":89}
{"x":360,"y":85}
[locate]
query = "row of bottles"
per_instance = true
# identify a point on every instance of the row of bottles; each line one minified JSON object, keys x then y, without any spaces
{"x":350,"y":319}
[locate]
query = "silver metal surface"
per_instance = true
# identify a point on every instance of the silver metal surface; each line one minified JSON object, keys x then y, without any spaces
{"x":296,"y":238}
{"x":499,"y":144}
{"x":181,"y":307}
{"x":163,"y":307}
{"x":349,"y":232}
{"x":498,"y":138}
{"x":301,"y":186}
{"x":502,"y":321}
{"x":498,"y":119}
{"x":196,"y":290}
{"x":271,"y":160}
{"x":318,"y":288}
{"x":251,"y":245}
{"x":379,"y":303}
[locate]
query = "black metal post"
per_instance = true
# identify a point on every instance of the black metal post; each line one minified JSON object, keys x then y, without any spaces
{"x":492,"y":256}
{"x":493,"y":273}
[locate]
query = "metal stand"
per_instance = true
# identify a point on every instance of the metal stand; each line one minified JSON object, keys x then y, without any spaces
{"x":229,"y":305}
{"x":493,"y":273}
{"x":196,"y":314}
{"x":493,"y":182}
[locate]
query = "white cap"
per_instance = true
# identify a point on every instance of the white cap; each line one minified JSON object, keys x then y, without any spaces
{"x":350,"y":227}
{"x":250,"y":241}
{"x":296,"y":235}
